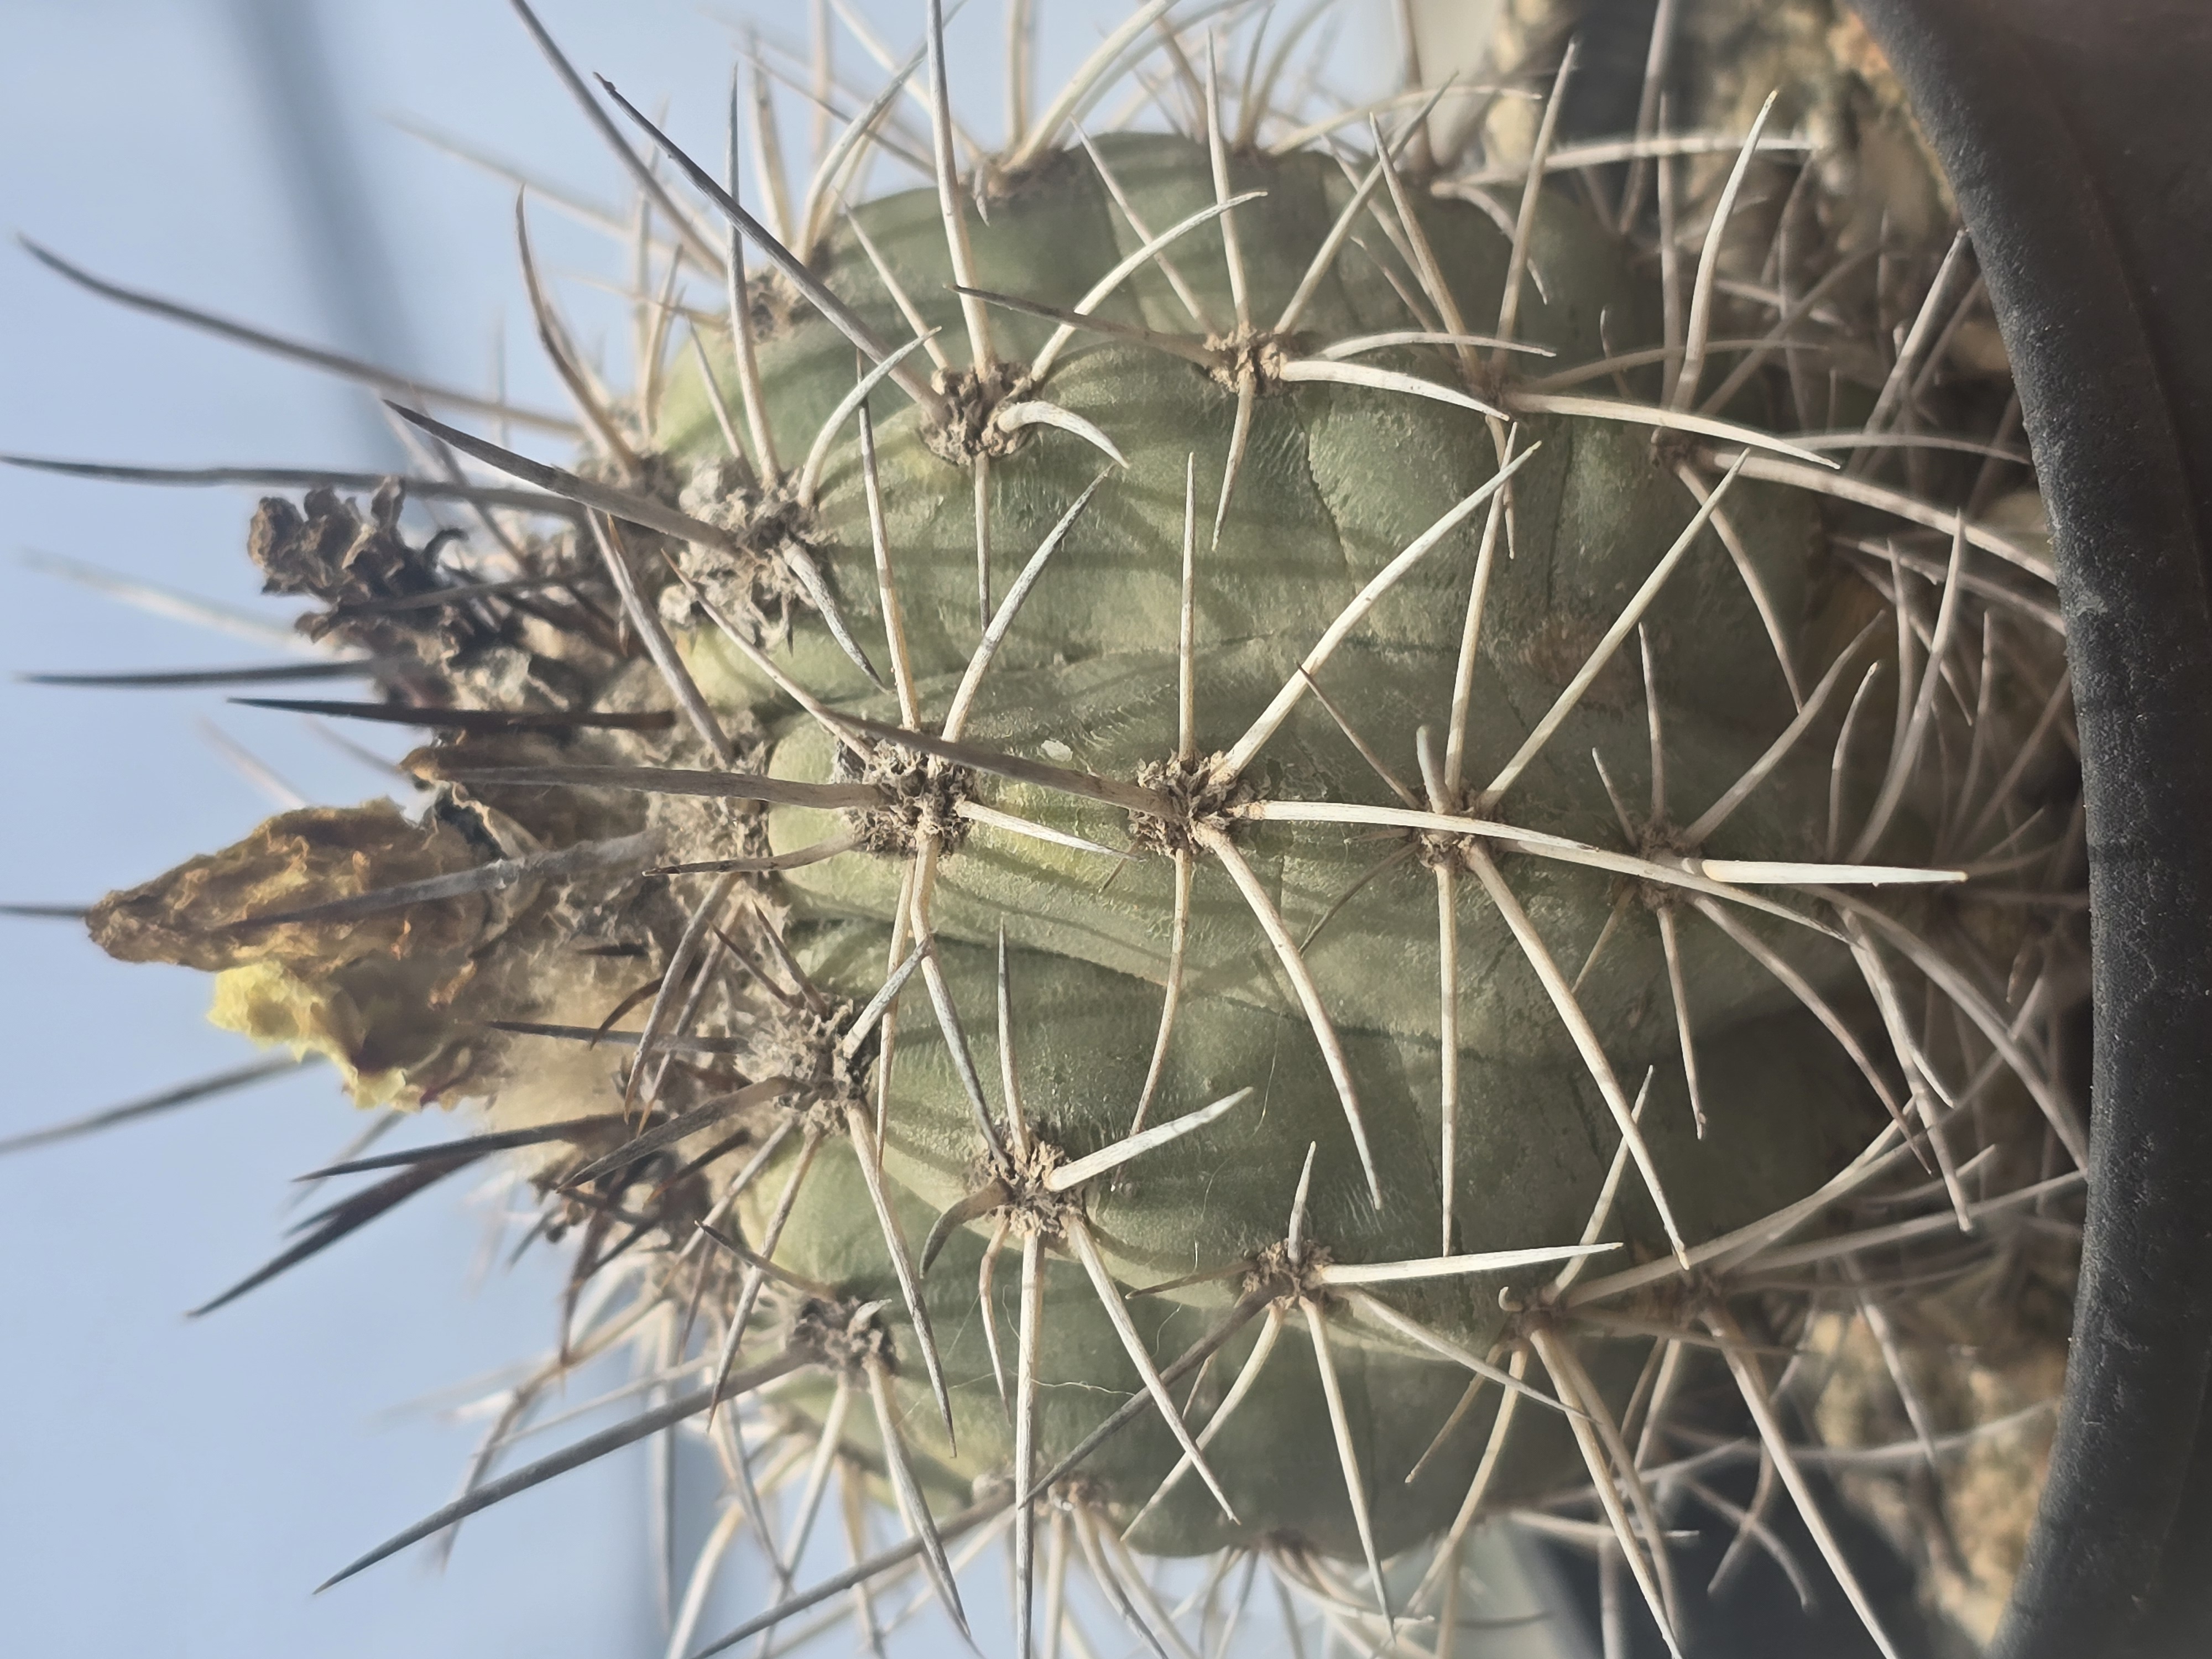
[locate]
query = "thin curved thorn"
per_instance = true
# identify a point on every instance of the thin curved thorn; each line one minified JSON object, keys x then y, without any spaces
{"x":580,"y":858}
{"x":1294,"y":1235}
{"x":755,"y":1276}
{"x":1501,"y":1427}
{"x":1992,"y":1024}
{"x":1067,"y":1176}
{"x":1026,"y":1403}
{"x":694,"y":242}
{"x":553,"y":338}
{"x":635,"y":1149}
{"x":979,"y":475}
{"x":826,"y":1443}
{"x":860,"y":1572}
{"x":1120,"y":272}
{"x":1631,"y":615}
{"x":1678,"y":991}
{"x":818,"y":453}
{"x":1014,"y":416}
{"x":797,"y":858}
{"x":166,"y":601}
{"x":1443,"y":1348}
{"x":964,"y":697}
{"x":623,"y":504}
{"x":183,"y":1094}
{"x":956,"y":1038}
{"x":948,"y":204}
{"x":1415,"y":239}
{"x":834,"y":311}
{"x":1187,"y":620}
{"x":645,"y":620}
{"x":369,"y":374}
{"x":1648,"y":1569}
{"x":1747,"y":570}
{"x":1842,"y":1245}
{"x":1655,"y":58}
{"x":879,"y":1003}
{"x":1881,"y":1155}
{"x":864,"y":1152}
{"x":385,"y":714}
{"x":1665,"y":419}
{"x":1178,"y":940}
{"x":1608,"y":1190}
{"x":1450,"y":1267}
{"x":1453,"y":1419}
{"x":1361,"y":343}
{"x":1117,"y":1588}
{"x":1325,"y":255}
{"x":2054,"y":706}
{"x":1799,"y":987}
{"x":1018,"y":1122}
{"x":1247,"y":1375}
{"x":583,"y":1451}
{"x":716,"y":401}
{"x":976,"y":813}
{"x":1586,"y":1040}
{"x":1516,"y":264}
{"x":1898,"y":504}
{"x":1709,"y":265}
{"x":1240,"y":434}
{"x":886,"y":589}
{"x":1130,"y":796}
{"x":739,"y":305}
{"x":1760,"y":1404}
{"x":912,"y":1505}
{"x":294,"y":477}
{"x":986,"y":1304}
{"x":1232,"y":252}
{"x":1235,"y":1320}
{"x":1117,"y":1313}
{"x":1080,"y":86}
{"x":706,"y":1567}
{"x":1470,"y":635}
{"x":991,"y":1195}
{"x":1241,"y":754}
{"x":833,"y":171}
{"x":1330,"y":372}
{"x":1722,"y":809}
{"x":1366,"y":751}
{"x":1183,"y":294}
{"x":1925,"y":321}
{"x":580,"y":208}
{"x":770,"y":176}
{"x":657,"y":781}
{"x":1309,"y":994}
{"x":1355,"y":1486}
{"x":1653,"y":720}
{"x":1907,"y":753}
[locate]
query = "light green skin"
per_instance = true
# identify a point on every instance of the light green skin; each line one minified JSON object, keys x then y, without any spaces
{"x":1335,"y":482}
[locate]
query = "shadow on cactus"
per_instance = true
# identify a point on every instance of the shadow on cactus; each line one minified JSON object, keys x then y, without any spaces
{"x":1195,"y":844}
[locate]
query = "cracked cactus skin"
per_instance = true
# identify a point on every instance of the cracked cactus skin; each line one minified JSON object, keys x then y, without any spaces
{"x":1421,"y":921}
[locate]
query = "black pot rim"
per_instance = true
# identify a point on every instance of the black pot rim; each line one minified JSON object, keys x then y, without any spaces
{"x":2079,"y":158}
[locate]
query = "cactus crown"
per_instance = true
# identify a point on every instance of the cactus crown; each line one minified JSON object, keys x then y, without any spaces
{"x":1199,"y":838}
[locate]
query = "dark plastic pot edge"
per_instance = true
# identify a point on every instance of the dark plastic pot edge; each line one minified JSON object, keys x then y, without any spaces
{"x":2085,"y":286}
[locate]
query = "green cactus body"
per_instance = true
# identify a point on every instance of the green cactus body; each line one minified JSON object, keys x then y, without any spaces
{"x":1508,"y":922}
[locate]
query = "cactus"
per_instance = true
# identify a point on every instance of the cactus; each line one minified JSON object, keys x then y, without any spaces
{"x":1203,"y":843}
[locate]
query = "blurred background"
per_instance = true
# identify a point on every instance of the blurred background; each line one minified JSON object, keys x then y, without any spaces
{"x":176,"y":1486}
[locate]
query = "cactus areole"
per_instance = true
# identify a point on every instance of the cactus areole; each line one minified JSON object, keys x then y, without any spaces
{"x":1200,"y":840}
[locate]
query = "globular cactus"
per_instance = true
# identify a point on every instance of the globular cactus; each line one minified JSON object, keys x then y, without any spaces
{"x":1241,"y":840}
